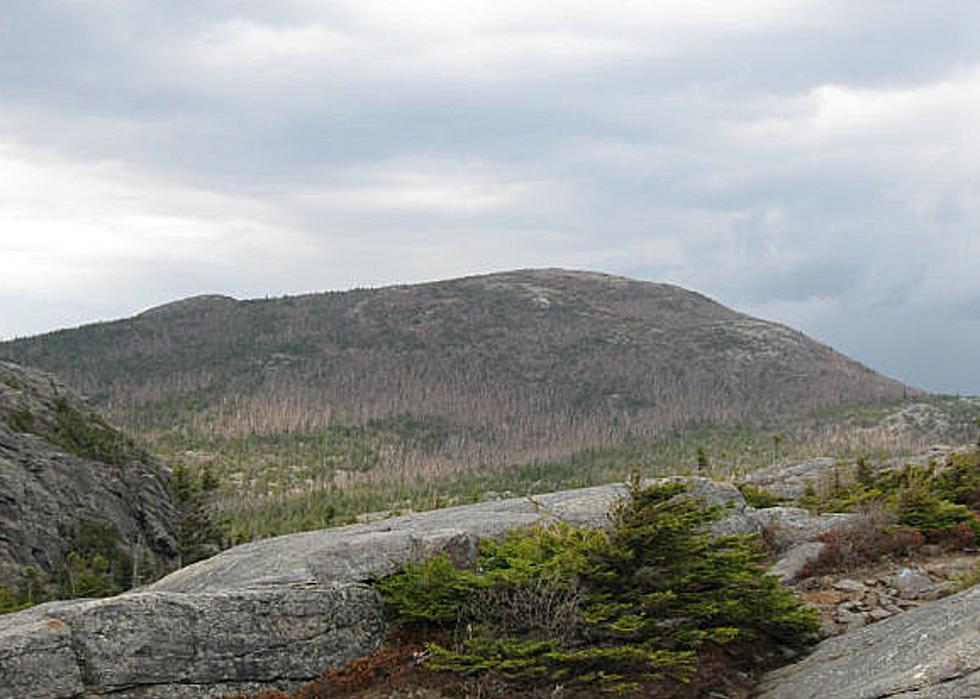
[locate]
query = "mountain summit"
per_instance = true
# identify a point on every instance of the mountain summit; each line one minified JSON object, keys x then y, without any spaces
{"x":483,"y":369}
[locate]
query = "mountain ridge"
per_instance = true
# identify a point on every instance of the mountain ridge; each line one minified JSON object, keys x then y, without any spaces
{"x":482,"y":369}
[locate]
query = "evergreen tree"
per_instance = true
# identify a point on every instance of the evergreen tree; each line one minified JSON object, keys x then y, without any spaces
{"x":703,"y":463}
{"x":639,"y":604}
{"x":865,"y":475}
{"x":198,"y":536}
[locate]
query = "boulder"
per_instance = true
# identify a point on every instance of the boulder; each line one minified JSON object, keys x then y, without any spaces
{"x":145,"y":644}
{"x":930,"y":652}
{"x":783,"y":527}
{"x":365,"y":551}
{"x":791,"y":564}
{"x":790,"y":481}
{"x":910,"y":583}
{"x":708,"y":491}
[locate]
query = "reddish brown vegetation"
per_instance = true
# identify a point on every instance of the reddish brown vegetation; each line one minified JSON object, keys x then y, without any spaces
{"x":395,"y":671}
{"x":956,"y":538}
{"x":847,"y":549}
{"x":392,"y":665}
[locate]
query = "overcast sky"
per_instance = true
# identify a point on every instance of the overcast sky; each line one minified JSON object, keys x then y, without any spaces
{"x":814,"y":163}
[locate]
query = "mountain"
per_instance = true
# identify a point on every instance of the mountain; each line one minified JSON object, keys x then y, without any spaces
{"x":73,"y":488}
{"x":487,"y":369}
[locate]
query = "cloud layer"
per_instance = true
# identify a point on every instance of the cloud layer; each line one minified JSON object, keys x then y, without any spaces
{"x":814,"y":162}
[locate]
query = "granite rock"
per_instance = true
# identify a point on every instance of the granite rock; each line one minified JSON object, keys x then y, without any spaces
{"x":45,"y":490}
{"x":930,"y":652}
{"x":267,"y":614}
{"x":790,"y":481}
{"x":145,"y":644}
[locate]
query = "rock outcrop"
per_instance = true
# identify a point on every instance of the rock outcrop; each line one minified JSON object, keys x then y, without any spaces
{"x":266,"y":614}
{"x":161,"y":645}
{"x":931,"y":652}
{"x":790,"y":481}
{"x":61,"y":465}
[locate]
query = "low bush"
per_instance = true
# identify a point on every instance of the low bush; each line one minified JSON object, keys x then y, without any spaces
{"x":21,"y":420}
{"x":920,"y":507}
{"x":849,"y":549}
{"x":758,"y":497}
{"x":393,"y":665}
{"x":968,"y":580}
{"x":642,"y":605}
{"x":12,"y":600}
{"x":959,"y":537}
{"x":938,"y":503}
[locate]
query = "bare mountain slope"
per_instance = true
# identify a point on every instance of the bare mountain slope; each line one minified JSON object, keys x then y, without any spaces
{"x":482,"y":369}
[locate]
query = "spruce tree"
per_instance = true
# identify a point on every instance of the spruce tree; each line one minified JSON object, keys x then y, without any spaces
{"x":198,"y":536}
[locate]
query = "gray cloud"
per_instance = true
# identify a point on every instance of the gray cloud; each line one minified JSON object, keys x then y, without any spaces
{"x":813,"y":162}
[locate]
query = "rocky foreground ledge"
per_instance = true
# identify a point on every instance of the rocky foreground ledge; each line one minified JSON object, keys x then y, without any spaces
{"x":268,"y":614}
{"x":932,"y":652}
{"x":278,"y":612}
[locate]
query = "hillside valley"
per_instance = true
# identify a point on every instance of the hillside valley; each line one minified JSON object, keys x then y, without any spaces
{"x":328,"y":405}
{"x":501,"y":367}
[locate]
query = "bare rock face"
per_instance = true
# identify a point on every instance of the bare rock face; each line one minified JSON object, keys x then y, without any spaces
{"x":36,"y":657}
{"x":160,"y":644}
{"x":366,"y":551}
{"x":793,"y":561}
{"x":930,"y":652}
{"x":790,"y":481}
{"x":60,"y":464}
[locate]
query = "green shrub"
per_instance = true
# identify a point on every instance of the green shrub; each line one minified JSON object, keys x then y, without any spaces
{"x":21,"y":420}
{"x":968,"y":580}
{"x":960,"y":481}
{"x":928,"y":500}
{"x":617,"y":610}
{"x":88,"y":436}
{"x":758,"y":497}
{"x":11,"y":600}
{"x":426,"y":594}
{"x":941,"y":503}
{"x":846,"y":550}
